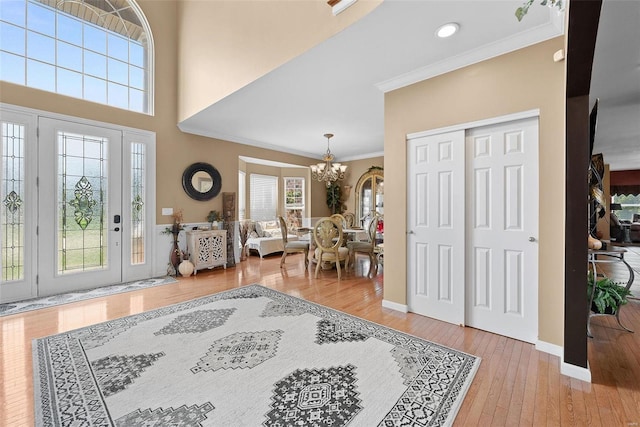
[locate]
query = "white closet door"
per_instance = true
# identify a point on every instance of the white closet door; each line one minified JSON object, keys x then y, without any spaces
{"x":502,"y":229}
{"x":437,"y":226}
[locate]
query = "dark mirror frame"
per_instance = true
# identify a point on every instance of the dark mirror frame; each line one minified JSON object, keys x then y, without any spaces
{"x":188,"y":174}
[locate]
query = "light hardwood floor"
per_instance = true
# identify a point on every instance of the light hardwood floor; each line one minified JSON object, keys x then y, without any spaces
{"x":515,"y":385}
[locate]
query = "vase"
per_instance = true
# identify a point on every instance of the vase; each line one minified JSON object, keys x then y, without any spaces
{"x":174,"y":256}
{"x":186,"y":268}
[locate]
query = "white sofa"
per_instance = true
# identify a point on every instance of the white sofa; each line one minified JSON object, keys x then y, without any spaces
{"x":265,"y":238}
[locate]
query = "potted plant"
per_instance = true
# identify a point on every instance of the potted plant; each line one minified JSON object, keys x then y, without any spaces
{"x":334,"y":198}
{"x":608,"y":295}
{"x":214,"y":216}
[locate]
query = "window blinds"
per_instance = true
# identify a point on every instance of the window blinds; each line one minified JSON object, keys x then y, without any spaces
{"x":263,"y":197}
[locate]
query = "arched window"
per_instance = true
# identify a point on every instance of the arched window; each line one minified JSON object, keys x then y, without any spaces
{"x":97,"y":50}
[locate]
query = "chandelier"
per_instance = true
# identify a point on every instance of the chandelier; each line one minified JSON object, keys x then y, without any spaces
{"x":325,"y":170}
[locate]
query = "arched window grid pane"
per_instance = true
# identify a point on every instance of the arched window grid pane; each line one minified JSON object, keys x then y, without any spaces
{"x":45,"y":36}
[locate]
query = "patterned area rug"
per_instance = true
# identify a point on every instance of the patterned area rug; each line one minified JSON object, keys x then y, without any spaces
{"x":246,"y":357}
{"x":44,"y":302}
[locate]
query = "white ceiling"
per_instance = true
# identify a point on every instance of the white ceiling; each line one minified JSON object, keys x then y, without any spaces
{"x":339,"y":85}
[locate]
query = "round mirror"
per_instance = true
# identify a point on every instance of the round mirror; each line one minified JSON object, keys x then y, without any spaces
{"x":201,"y":181}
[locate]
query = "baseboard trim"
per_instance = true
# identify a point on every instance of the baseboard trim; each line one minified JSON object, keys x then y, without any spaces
{"x":577,"y":372}
{"x":549,"y":348}
{"x":573,"y":371}
{"x":403,"y":308}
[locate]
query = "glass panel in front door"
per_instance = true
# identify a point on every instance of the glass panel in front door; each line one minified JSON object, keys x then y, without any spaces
{"x":138,"y":211}
{"x":82,"y":182}
{"x":12,"y":209}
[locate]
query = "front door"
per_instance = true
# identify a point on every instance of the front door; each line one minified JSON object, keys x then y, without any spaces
{"x":436,"y":226}
{"x":79,"y":206}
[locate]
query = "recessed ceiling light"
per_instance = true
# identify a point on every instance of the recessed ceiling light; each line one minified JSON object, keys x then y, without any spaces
{"x":447,"y":30}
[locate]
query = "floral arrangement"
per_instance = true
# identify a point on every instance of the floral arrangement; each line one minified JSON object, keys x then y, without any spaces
{"x":214,"y":216}
{"x":177,"y":226}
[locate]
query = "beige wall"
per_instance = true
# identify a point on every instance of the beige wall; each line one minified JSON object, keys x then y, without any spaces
{"x":175,"y":150}
{"x":229,"y":44}
{"x":519,"y":81}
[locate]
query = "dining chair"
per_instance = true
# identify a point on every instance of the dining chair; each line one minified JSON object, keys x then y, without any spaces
{"x":293,"y":246}
{"x":327,"y":233}
{"x":340,"y":219}
{"x":349,"y":219}
{"x":367,"y":247}
{"x":343,"y":222}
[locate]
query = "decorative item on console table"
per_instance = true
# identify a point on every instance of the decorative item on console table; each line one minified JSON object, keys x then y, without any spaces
{"x":174,"y":255}
{"x":213,"y":217}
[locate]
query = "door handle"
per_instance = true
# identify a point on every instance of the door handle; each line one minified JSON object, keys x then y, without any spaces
{"x":116,"y":229}
{"x":410,"y":232}
{"x":532,"y":239}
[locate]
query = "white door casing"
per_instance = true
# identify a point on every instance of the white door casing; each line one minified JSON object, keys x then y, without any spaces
{"x":436,"y":226}
{"x":502,"y":229}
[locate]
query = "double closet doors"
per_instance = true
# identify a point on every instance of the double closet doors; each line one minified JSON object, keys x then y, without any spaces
{"x":77,"y":205}
{"x":473,"y":227}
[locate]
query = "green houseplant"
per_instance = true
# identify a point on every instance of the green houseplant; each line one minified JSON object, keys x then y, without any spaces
{"x":522,"y":10}
{"x":608,"y":295}
{"x":334,"y":198}
{"x":213,"y":216}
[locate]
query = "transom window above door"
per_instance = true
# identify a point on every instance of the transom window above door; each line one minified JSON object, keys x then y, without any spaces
{"x":97,"y":51}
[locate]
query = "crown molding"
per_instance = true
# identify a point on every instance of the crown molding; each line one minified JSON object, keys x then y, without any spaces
{"x":260,"y":144}
{"x":362,"y":156}
{"x":244,"y":141}
{"x":553,"y":28}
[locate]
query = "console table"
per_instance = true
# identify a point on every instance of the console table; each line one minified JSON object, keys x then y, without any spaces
{"x":207,"y":248}
{"x":610,"y":255}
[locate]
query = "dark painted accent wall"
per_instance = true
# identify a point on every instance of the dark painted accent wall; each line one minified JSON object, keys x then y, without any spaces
{"x":582,"y":30}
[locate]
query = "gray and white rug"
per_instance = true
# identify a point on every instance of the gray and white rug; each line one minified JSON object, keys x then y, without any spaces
{"x":246,"y":357}
{"x":44,"y":302}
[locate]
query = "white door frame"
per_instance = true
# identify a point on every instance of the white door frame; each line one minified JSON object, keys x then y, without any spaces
{"x":18,"y":291}
{"x":449,"y":129}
